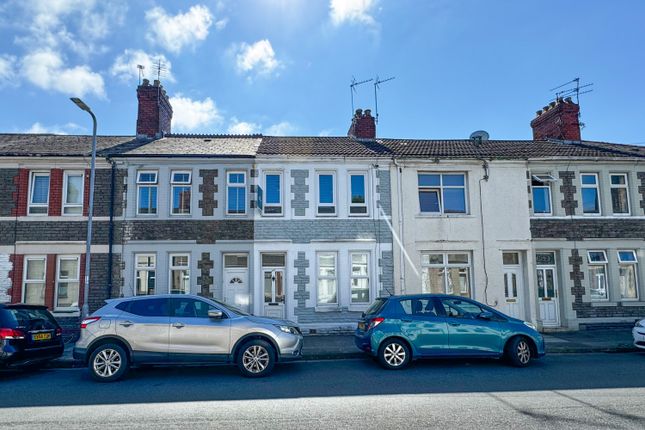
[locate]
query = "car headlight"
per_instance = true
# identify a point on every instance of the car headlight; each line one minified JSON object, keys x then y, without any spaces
{"x":530,"y":325}
{"x":288,"y":329}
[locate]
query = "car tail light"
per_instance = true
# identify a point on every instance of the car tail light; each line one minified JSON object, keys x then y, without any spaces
{"x":59,"y":331}
{"x":374,"y":322}
{"x":89,"y":320}
{"x":11,"y":333}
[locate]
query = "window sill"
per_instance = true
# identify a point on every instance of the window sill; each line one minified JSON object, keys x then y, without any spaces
{"x":68,"y":312}
{"x":433,"y":215}
{"x":603,"y":304}
{"x":326,"y":215}
{"x":632,"y":302}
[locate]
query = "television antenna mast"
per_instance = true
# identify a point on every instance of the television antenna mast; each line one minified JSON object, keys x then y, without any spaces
{"x":352,"y":88}
{"x":571,"y":88}
{"x":140,"y":67}
{"x":377,"y":87}
{"x":160,"y":68}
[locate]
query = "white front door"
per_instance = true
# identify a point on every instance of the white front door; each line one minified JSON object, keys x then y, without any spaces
{"x":236,"y":288}
{"x":513,"y":287}
{"x":273,"y":282}
{"x":547,"y":287}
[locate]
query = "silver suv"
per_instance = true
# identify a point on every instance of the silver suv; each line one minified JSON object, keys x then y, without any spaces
{"x":182,"y":329}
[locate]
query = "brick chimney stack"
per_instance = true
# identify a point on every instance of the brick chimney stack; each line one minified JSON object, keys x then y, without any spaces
{"x":155,"y":113}
{"x":558,"y":120}
{"x":363,"y":125}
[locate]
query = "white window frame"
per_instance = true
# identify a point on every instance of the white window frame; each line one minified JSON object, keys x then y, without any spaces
{"x":370,"y":299}
{"x":365,"y":205}
{"x":147,"y":269}
{"x":445,"y":266}
{"x":182,"y":184}
{"x":335,"y":278}
{"x":236,"y":185}
{"x":546,"y":181}
{"x":32,"y":179}
{"x":66,"y":204}
{"x":439,"y":189}
{"x":265,"y":203}
{"x":171,"y":267}
{"x":59,"y":258}
{"x":597,"y":188}
{"x":25,"y":281}
{"x":603,"y":263}
{"x":334,"y":193}
{"x":150,"y":184}
{"x":624,"y":186}
{"x":633,"y":263}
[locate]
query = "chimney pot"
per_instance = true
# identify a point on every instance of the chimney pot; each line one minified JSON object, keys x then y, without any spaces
{"x":145,"y":82}
{"x":156,"y":83}
{"x":368,"y":112}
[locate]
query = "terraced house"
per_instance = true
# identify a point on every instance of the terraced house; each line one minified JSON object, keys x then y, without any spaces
{"x":312,"y":229}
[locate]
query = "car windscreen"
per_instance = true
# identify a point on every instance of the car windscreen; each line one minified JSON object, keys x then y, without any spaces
{"x":30,"y":319}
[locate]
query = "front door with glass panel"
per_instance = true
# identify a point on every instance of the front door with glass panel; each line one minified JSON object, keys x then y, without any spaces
{"x":273,"y":285}
{"x":236,"y":285}
{"x":547,"y":289}
{"x":513,"y":285}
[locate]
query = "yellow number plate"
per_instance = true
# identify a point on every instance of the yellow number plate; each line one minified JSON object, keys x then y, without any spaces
{"x":41,"y":336}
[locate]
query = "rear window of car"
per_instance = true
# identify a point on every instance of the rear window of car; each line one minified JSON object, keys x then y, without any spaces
{"x":376,"y":307}
{"x":30,"y":319}
{"x":145,"y":307}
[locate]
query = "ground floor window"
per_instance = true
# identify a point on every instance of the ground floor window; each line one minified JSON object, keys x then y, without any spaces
{"x":67,"y":281}
{"x":597,"y":261}
{"x":327,"y":282}
{"x":34,"y":280}
{"x":627,"y":277}
{"x":179,"y":273}
{"x":446,"y":273}
{"x":145,"y":273}
{"x":360,"y":278}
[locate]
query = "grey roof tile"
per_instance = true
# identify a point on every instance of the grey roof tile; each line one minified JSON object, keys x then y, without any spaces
{"x":24,"y":144}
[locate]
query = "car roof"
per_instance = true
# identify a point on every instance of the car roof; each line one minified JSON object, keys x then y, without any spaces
{"x":21,"y":306}
{"x":154,"y":296}
{"x":426,"y":296}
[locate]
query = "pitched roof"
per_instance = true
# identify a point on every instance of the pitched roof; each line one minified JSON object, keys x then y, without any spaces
{"x":194,"y":145}
{"x":16,"y":145}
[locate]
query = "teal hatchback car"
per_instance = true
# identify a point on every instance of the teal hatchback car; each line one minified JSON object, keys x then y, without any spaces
{"x":398,"y":329}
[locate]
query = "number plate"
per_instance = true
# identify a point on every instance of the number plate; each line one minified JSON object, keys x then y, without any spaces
{"x":41,"y":336}
{"x":361,"y":326}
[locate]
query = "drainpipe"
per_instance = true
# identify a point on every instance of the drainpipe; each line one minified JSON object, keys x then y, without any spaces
{"x":483,"y":234}
{"x":111,"y":227}
{"x":400,"y":214}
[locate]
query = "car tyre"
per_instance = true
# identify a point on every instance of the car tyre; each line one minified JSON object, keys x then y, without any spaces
{"x":108,"y":363}
{"x":518,"y":352}
{"x":394,"y":354}
{"x":256,"y":358}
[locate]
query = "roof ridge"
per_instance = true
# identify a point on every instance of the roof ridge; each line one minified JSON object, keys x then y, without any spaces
{"x":212,"y":136}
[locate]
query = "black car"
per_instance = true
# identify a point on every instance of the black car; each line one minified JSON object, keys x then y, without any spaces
{"x":29,"y":335}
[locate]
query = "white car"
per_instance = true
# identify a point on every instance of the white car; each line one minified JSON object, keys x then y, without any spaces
{"x":639,"y":334}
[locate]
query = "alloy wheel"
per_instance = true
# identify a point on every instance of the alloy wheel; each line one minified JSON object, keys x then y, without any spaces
{"x":107,"y":363}
{"x":255,"y":359}
{"x":523,"y":352}
{"x":394,"y":354}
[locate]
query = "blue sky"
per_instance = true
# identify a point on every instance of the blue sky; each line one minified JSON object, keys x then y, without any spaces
{"x":284,"y":66}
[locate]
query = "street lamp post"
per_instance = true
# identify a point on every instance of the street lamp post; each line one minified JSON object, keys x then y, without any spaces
{"x":85,"y":310}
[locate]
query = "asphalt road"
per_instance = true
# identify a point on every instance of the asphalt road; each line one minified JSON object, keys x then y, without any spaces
{"x":561,"y":391}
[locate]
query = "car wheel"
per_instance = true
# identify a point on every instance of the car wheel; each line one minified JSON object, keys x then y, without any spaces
{"x":108,"y":362}
{"x":394,"y":354}
{"x":256,"y":358}
{"x":518,"y":352}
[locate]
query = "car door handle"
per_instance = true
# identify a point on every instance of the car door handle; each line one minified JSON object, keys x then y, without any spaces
{"x":178,"y":325}
{"x":126,"y":323}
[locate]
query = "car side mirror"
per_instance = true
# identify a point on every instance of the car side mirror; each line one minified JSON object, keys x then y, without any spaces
{"x":485,"y":315}
{"x":362,"y":314}
{"x":215,"y":314}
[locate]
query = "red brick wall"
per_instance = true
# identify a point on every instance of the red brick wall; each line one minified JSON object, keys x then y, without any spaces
{"x":559,"y":121}
{"x":15,"y":275}
{"x":363,"y":125}
{"x":155,"y":113}
{"x":50,"y":281}
{"x":20,"y":196}
{"x":55,"y":192}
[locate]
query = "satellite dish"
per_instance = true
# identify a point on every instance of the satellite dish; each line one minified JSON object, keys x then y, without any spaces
{"x":479,"y":135}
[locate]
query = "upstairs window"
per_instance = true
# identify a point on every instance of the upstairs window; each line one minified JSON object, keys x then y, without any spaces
{"x":147,"y":192}
{"x":590,"y":194}
{"x":326,"y":193}
{"x":627,"y":275}
{"x":236,"y":193}
{"x":442,"y":193}
{"x":273,"y":193}
{"x":180,"y":189}
{"x":358,"y":194}
{"x":619,"y":194}
{"x":597,"y":261}
{"x":39,"y":193}
{"x":73,"y":193}
{"x":541,"y":190}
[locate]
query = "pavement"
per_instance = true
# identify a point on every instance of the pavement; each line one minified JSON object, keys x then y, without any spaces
{"x":340,"y":346}
{"x":580,"y":391}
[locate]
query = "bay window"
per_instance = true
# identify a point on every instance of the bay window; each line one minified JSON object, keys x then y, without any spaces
{"x":327,"y":281}
{"x":145,"y":274}
{"x":179,"y":276}
{"x":360,"y":278}
{"x":67,"y":281}
{"x":33,"y":286}
{"x":446,"y":273}
{"x":627,"y":275}
{"x":597,"y":261}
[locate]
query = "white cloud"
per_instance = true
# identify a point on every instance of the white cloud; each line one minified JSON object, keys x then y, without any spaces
{"x":221,"y":24}
{"x":280,"y":129}
{"x":189,"y":115}
{"x":46,"y":70}
{"x":258,"y":57}
{"x":7,"y":70}
{"x":125,"y":66}
{"x":242,"y":127}
{"x":352,"y":11}
{"x":38,"y":128}
{"x":183,"y":29}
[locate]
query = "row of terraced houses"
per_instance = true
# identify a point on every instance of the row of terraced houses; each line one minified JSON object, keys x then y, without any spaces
{"x":313,"y":229}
